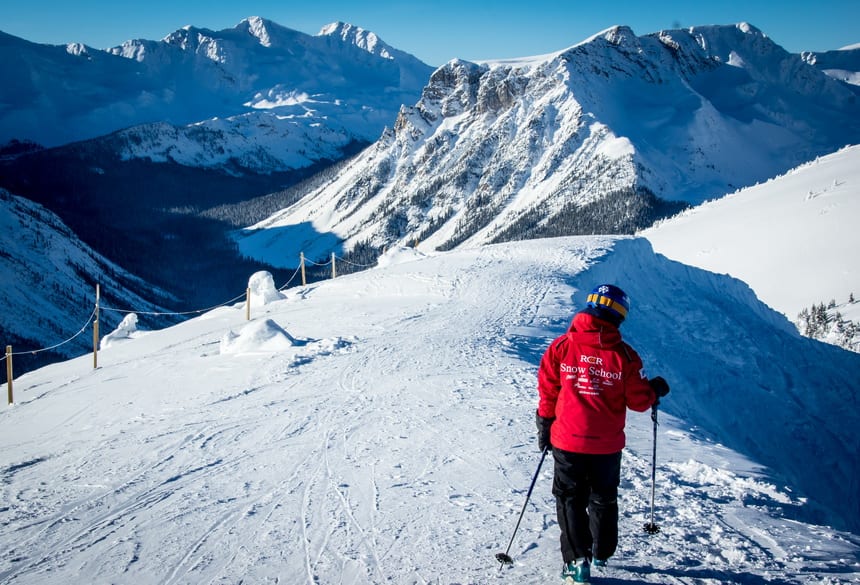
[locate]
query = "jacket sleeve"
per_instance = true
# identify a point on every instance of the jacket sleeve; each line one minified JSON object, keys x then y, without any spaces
{"x":637,"y":391}
{"x":549,"y":380}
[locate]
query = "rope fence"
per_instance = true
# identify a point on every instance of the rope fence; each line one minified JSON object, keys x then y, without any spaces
{"x":345,"y":261}
{"x":286,"y":284}
{"x":62,"y":343}
{"x":93,"y":319}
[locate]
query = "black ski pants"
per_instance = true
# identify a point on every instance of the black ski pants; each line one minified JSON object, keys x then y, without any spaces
{"x":586,"y":496}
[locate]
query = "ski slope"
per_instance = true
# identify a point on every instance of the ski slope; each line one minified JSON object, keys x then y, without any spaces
{"x":790,"y":238}
{"x":379,"y":428}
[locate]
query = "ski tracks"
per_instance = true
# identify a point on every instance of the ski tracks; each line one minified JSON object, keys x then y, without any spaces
{"x":109,"y":515}
{"x":404,"y":460}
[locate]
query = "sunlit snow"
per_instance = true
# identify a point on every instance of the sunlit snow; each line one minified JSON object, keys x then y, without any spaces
{"x":791,"y":238}
{"x":394,"y":440}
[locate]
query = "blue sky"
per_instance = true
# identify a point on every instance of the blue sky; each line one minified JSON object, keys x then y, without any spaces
{"x":436,"y":31}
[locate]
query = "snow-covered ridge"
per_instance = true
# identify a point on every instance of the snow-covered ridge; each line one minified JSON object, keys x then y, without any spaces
{"x":843,"y":64}
{"x":262,"y":141}
{"x":354,"y":35}
{"x":195,"y":74}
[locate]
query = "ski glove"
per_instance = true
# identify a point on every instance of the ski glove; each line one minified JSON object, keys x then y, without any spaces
{"x":543,"y":426}
{"x":660,"y":388}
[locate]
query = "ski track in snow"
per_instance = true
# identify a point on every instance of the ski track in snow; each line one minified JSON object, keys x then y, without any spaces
{"x":395,"y":445}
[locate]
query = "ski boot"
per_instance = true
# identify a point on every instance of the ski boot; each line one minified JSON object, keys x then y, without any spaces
{"x":576,"y":572}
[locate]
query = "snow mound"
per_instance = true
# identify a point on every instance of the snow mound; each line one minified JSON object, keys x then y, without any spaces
{"x":399,"y":255}
{"x":127,"y":329}
{"x":263,"y":290}
{"x":259,"y":336}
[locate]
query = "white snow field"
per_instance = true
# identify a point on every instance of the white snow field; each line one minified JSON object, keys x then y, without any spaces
{"x":379,"y":428}
{"x":791,"y":238}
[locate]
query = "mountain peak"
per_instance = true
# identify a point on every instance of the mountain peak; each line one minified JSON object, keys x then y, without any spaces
{"x":749,"y":29}
{"x":185,"y":37}
{"x":258,"y":27}
{"x":728,"y":37}
{"x":618,"y":34}
{"x":361,"y":38}
{"x":77,"y":49}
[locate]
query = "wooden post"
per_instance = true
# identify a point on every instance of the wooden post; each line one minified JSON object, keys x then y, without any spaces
{"x":302,"y":264}
{"x":333,"y":271}
{"x":96,"y":331}
{"x":248,"y":304}
{"x":9,"y":371}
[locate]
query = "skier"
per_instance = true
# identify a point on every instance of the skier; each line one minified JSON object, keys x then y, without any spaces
{"x":587,"y":379}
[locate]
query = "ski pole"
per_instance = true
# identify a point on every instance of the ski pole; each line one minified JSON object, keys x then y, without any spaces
{"x":504,"y":558}
{"x":650,"y":527}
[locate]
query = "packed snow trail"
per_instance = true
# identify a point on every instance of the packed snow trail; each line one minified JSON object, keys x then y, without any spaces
{"x":393,"y":442}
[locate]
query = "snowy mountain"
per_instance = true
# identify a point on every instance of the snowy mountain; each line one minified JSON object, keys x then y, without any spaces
{"x":49,"y":278}
{"x":580,"y":141}
{"x":259,"y":142}
{"x":197,"y":120}
{"x":379,"y":428}
{"x":843,"y":64}
{"x":344,"y":81}
{"x":803,"y":221}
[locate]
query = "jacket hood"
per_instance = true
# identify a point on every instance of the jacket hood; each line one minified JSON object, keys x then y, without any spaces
{"x":592,"y":330}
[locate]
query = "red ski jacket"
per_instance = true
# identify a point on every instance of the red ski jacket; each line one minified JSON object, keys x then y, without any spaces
{"x":588,"y":378}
